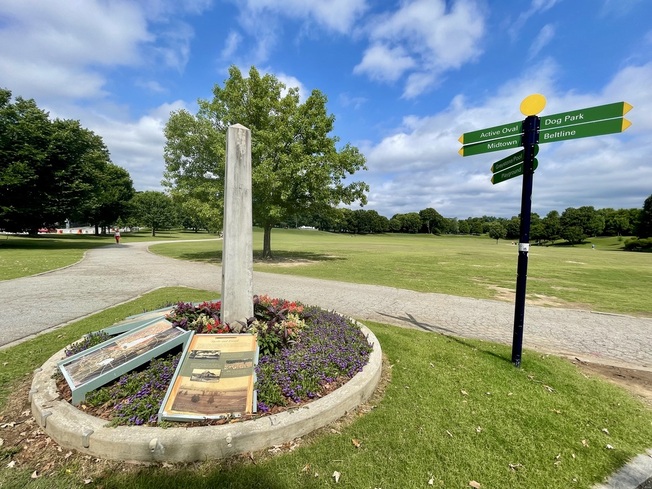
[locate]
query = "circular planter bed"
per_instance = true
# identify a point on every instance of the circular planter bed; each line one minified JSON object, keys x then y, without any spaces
{"x":73,"y":428}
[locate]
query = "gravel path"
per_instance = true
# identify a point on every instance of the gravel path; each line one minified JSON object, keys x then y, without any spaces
{"x":117,"y":273}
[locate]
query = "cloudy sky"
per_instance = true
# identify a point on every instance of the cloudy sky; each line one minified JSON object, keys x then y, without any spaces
{"x":404,"y":80}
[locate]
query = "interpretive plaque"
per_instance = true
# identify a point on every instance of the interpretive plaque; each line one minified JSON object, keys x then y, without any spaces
{"x":214,"y":379}
{"x":105,"y":362}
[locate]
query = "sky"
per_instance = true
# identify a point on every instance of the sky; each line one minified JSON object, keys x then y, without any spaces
{"x":404,"y":80}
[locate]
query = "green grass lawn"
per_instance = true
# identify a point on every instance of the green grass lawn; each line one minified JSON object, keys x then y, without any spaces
{"x":454,"y":411}
{"x":21,"y":256}
{"x":605,"y":279}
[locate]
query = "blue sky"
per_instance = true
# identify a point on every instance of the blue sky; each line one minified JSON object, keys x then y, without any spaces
{"x":404,"y":80}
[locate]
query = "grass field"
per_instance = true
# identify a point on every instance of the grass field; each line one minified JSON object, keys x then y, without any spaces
{"x":604,"y":279}
{"x":454,"y":411}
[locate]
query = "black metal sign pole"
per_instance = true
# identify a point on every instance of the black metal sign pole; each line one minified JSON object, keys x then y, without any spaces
{"x":530,"y":140}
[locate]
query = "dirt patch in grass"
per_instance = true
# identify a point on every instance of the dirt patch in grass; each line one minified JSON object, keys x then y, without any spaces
{"x":509,"y":295}
{"x":285,"y":262}
{"x":289,"y":261}
{"x":637,"y":382}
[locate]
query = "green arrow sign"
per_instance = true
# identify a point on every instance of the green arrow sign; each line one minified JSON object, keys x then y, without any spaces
{"x":600,"y":128}
{"x":582,"y":116}
{"x":496,"y":132}
{"x":512,"y":160}
{"x":512,"y":172}
{"x":489,"y":146}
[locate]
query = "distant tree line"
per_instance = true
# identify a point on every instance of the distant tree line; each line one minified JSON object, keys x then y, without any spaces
{"x":573,"y":225}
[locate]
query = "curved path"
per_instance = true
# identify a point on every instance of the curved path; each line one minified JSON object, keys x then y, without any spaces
{"x":117,"y":273}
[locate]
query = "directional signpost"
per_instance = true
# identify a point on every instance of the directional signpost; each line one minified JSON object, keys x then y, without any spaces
{"x":512,"y":172}
{"x":510,"y":161}
{"x":492,"y":133}
{"x":600,"y":128}
{"x":528,"y":134}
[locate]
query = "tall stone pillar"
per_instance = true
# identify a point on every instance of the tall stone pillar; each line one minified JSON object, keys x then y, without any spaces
{"x":237,"y":249}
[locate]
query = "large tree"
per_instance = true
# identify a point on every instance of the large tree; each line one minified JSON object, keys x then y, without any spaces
{"x":578,"y":224}
{"x":644,"y":228}
{"x":432,"y":220}
{"x":47,"y":168}
{"x":297,"y":167}
{"x":154,"y":210}
{"x":109,"y":199}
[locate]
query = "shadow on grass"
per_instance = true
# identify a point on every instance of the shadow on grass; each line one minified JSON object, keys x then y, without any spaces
{"x":239,"y":475}
{"x":280,"y":257}
{"x":55,"y":242}
{"x":450,"y":334}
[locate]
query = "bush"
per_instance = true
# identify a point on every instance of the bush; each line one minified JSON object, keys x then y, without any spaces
{"x":202,"y":319}
{"x":643,"y":244}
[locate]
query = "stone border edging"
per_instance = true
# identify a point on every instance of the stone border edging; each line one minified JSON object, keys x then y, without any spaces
{"x":72,"y":428}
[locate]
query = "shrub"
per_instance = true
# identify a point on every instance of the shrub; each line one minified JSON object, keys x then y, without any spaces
{"x":203,"y":318}
{"x":643,"y":244}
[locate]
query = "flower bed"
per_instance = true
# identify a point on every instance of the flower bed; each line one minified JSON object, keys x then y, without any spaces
{"x":305,"y":352}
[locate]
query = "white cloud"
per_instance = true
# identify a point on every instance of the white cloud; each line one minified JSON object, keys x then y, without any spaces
{"x":151,"y":86}
{"x":536,"y":7}
{"x":68,"y":49}
{"x":382,"y":63}
{"x":173,"y":45}
{"x":293,"y":82}
{"x":546,"y":34}
{"x":425,"y":35}
{"x":231,"y":44}
{"x":335,"y":15}
{"x":136,"y":145}
{"x":348,"y":100}
{"x":263,"y":21}
{"x":60,"y":48}
{"x":74,"y":32}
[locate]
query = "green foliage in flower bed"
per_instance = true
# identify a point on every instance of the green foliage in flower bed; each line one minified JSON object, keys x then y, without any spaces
{"x":328,"y":349}
{"x":88,"y":341}
{"x":304,"y":351}
{"x":137,"y":396}
{"x":203,"y":318}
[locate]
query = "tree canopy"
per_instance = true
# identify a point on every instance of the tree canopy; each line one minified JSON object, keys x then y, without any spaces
{"x":154,"y":210}
{"x":297,"y":167}
{"x":644,"y":229}
{"x":51,"y":170}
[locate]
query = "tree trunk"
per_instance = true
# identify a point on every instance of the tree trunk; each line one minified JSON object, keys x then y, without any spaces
{"x":97,"y":229}
{"x":267,"y":242}
{"x":153,"y":231}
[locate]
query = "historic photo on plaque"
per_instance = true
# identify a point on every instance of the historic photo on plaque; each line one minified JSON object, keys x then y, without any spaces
{"x":214,"y":379}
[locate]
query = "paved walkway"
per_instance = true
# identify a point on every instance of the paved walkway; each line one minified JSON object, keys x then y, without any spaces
{"x":117,"y":273}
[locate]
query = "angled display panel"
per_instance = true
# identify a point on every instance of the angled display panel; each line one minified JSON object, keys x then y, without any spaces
{"x":214,"y":379}
{"x":105,"y":362}
{"x":133,"y":322}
